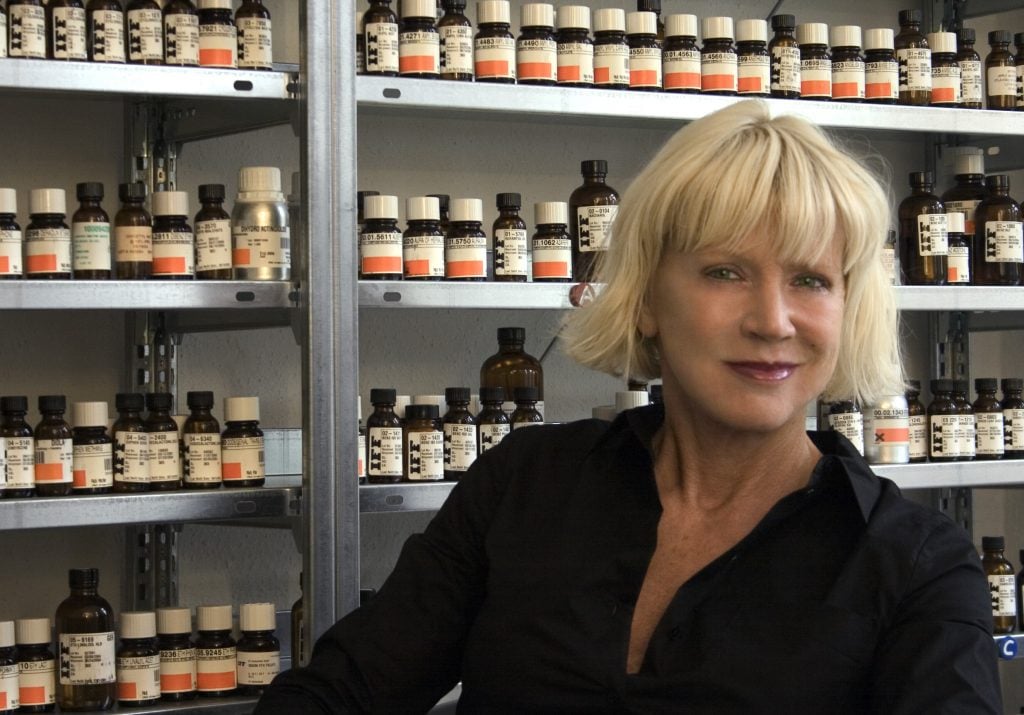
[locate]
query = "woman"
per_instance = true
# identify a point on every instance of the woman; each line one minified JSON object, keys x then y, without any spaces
{"x":711,"y":556}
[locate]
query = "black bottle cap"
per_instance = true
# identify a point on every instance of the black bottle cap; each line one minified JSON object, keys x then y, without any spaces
{"x":960,"y":385}
{"x":922,"y":178}
{"x":1000,"y":36}
{"x":993,"y":543}
{"x":159,"y":401}
{"x":985,"y":383}
{"x":383,"y":396}
{"x":938,"y":386}
{"x":492,"y":394}
{"x":656,"y":395}
{"x":526,"y":394}
{"x":908,"y":17}
{"x":996,"y":182}
{"x":1011,"y":383}
{"x":1018,"y":39}
{"x":914,"y":386}
{"x":83,"y":578}
{"x":593,"y":166}
{"x":360,"y":195}
{"x":211,"y":192}
{"x":453,"y":5}
{"x":52,"y":403}
{"x":966,"y":35}
{"x":14,"y":403}
{"x":511,"y":335}
{"x":510,"y":200}
{"x":648,"y":6}
{"x":443,"y":200}
{"x":783,"y":22}
{"x":199,"y":399}
{"x":89,"y":190}
{"x":129,"y":401}
{"x":456,"y":394}
{"x":421,"y":412}
{"x":131,"y":192}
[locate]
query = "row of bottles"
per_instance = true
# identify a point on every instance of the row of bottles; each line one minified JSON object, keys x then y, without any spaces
{"x":252,"y":243}
{"x":136,"y":455}
{"x":180,"y":34}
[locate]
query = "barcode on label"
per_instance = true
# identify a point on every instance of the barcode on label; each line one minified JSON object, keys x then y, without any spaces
{"x":108,"y":464}
{"x":286,"y":243}
{"x":261,"y":457}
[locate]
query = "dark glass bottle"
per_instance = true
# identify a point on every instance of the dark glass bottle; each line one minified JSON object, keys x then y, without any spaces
{"x":418,"y":40}
{"x":492,"y":422}
{"x":1002,"y":585}
{"x":753,"y":77}
{"x":9,"y":690}
{"x":255,"y":40}
{"x":512,"y":366}
{"x":511,"y":257}
{"x":552,"y":245}
{"x":138,"y":660}
{"x":968,"y":426}
{"x":47,"y":237}
{"x":381,"y":38}
{"x":611,"y":51}
{"x":216,"y":652}
{"x":971,"y":96}
{"x":1013,"y":417}
{"x":131,"y":445}
{"x":423,"y":240}
{"x":1018,"y":40}
{"x":815,"y":61}
{"x":258,"y":650}
{"x":133,"y":234}
{"x":11,"y":239}
{"x":1000,"y":72}
{"x":946,"y":81}
{"x":380,"y":242}
{"x":384,"y":431}
{"x":653,"y":7}
{"x":593,"y":207}
{"x":718,"y":59}
{"x":537,"y":46}
{"x":1020,"y":588}
{"x":526,"y":413}
{"x":85,"y":634}
{"x":174,"y":244}
{"x":145,"y":32}
{"x":644,"y":52}
{"x":423,"y":444}
{"x":54,"y":449}
{"x":105,"y":31}
{"x":970,"y":188}
{"x":66,"y":31}
{"x":242,"y":457}
{"x":848,"y":74}
{"x":784,"y":52}
{"x":456,"y":42}
{"x":460,"y":434}
{"x":26,"y":28}
{"x":19,"y":447}
{"x":943,"y":423}
{"x":181,"y":33}
{"x":90,"y":234}
{"x":846,"y":418}
{"x":200,"y":442}
{"x":177,"y":654}
{"x":918,"y":423}
{"x":924,"y":247}
{"x":213,"y":235}
{"x":218,"y":36}
{"x":465,"y":243}
{"x":575,"y":48}
{"x":959,"y":264}
{"x":881,"y":68}
{"x":988,"y":414}
{"x":37,"y":665}
{"x":998,"y":243}
{"x":164,"y":449}
{"x":680,"y":55}
{"x":915,"y":60}
{"x":92,"y":450}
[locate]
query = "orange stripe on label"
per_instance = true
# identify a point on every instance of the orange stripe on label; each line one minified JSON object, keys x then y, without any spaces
{"x":682,"y":80}
{"x":492,"y":68}
{"x":569,"y":73}
{"x":717,"y":81}
{"x":749,"y":84}
{"x":874,"y":90}
{"x":218,"y":58}
{"x":127,"y":691}
{"x":382,"y":264}
{"x":465,"y":269}
{"x":969,"y":226}
{"x":891,"y":435}
{"x":550,"y":269}
{"x":602,"y":75}
{"x":534,"y":70}
{"x":43,"y":263}
{"x":943,"y":94}
{"x":240,"y":257}
{"x":176,"y":683}
{"x":49,"y":472}
{"x":643,"y":78}
{"x":417,"y":267}
{"x":231,"y":470}
{"x":78,"y":478}
{"x":952,"y":274}
{"x":5,"y":264}
{"x":842,"y":90}
{"x":3,"y":700}
{"x":216,"y":681}
{"x":816,"y":88}
{"x":417,"y":63}
{"x":170,"y":265}
{"x":32,"y":695}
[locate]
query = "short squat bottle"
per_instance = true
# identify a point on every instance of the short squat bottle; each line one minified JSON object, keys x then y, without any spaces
{"x":85,"y":636}
{"x":54,"y":449}
{"x":718,"y":60}
{"x":423,"y":444}
{"x":258,"y":655}
{"x":998,"y":241}
{"x":959,"y":265}
{"x":37,"y":665}
{"x":988,"y":414}
{"x":1000,"y":72}
{"x":200,"y":442}
{"x":492,"y":422}
{"x":384,"y":431}
{"x":380,"y":35}
{"x":815,"y":61}
{"x":611,"y":51}
{"x":47,"y":238}
{"x":174,"y":245}
{"x":919,"y":437}
{"x":915,"y":59}
{"x":213,"y":235}
{"x":968,"y":426}
{"x":753,"y":77}
{"x":133,"y":234}
{"x":845,"y":417}
{"x":552,"y":245}
{"x":943,"y":423}
{"x":181,"y":33}
{"x":680,"y":56}
{"x":967,"y":57}
{"x":18,"y":447}
{"x":881,"y":68}
{"x":1001,"y":584}
{"x":93,"y":450}
{"x":380,"y":241}
{"x":242,"y":459}
{"x":255,"y":37}
{"x":1013,"y":417}
{"x":593,"y":207}
{"x":575,"y":48}
{"x":924,"y":247}
{"x":494,"y":46}
{"x":526,"y":413}
{"x":131,"y":444}
{"x":537,"y":45}
{"x":177,"y":654}
{"x":419,"y":47}
{"x":26,"y":25}
{"x":848,"y":75}
{"x":162,"y":441}
{"x":423,"y":240}
{"x":216,"y":674}
{"x":138,"y":659}
{"x":9,"y":691}
{"x":946,"y":82}
{"x":66,"y":35}
{"x":90,"y":234}
{"x":145,"y":32}
{"x":218,"y":36}
{"x":465,"y":244}
{"x":11,"y":238}
{"x":456,"y":35}
{"x":644,"y":51}
{"x":510,"y":255}
{"x":784,"y":53}
{"x":460,"y":434}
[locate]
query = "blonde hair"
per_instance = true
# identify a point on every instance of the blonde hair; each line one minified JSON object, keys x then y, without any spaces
{"x":718,"y":181}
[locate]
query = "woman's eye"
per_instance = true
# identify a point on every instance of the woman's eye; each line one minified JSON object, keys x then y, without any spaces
{"x":812,"y":282}
{"x":722,"y":274}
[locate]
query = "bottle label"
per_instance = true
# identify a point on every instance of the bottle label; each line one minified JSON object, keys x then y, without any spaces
{"x":37,"y":682}
{"x":182,"y":33}
{"x":107,"y":36}
{"x":380,"y":253}
{"x":882,"y":80}
{"x":850,"y":425}
{"x":815,"y":77}
{"x":1003,"y":590}
{"x":213,"y":245}
{"x":261,"y":246}
{"x":255,"y":668}
{"x":945,"y":440}
{"x":255,"y":43}
{"x":1003,"y":242}
{"x":594,"y":225}
{"x":645,"y":67}
{"x":145,"y":36}
{"x":419,"y":52}
{"x":215,"y":669}
{"x":575,"y":63}
{"x":91,"y":246}
{"x":54,"y":460}
{"x":990,"y":432}
{"x":425,"y":454}
{"x":361,"y":457}
{"x":1020,"y":85}
{"x":131,"y":457}
{"x":959,"y":265}
{"x":682,"y":69}
{"x":918,"y":437}
{"x":491,"y":435}
{"x":385,"y":452}
{"x":19,"y":461}
{"x":753,"y":74}
{"x":1002,"y":81}
{"x":164,"y":457}
{"x":536,"y":60}
{"x":218,"y":46}
{"x":10,"y":252}
{"x":9,"y":698}
{"x":848,"y":80}
{"x":946,"y":84}
{"x":242,"y":458}
{"x":970,"y":81}
{"x":138,"y":678}
{"x":611,"y":65}
{"x":718,"y":71}
{"x":785,"y":67}
{"x":381,"y":47}
{"x":465,"y":257}
{"x":178,"y":670}
{"x":1013,"y":429}
{"x":968,"y":436}
{"x":28,"y":31}
{"x":932,"y":234}
{"x":92,"y":466}
{"x":87,"y":658}
{"x":47,"y":250}
{"x":459,"y":447}
{"x":174,"y":253}
{"x":552,"y":258}
{"x":915,"y":67}
{"x":968,"y":209}
{"x":202,"y":458}
{"x":133,"y":244}
{"x":423,"y":256}
{"x":69,"y":33}
{"x":495,"y":58}
{"x":510,"y":255}
{"x":456,"y":49}
{"x":889,"y":263}
{"x":3,"y":35}
{"x":888,"y":427}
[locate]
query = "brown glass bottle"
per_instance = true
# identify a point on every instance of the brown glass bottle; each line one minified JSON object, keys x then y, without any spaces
{"x":93,"y":451}
{"x":164,"y":450}
{"x":924,"y":245}
{"x":460,"y":434}
{"x":418,"y":40}
{"x":947,"y":84}
{"x":593,"y":207}
{"x":174,"y":243}
{"x":66,"y":30}
{"x":213,"y":235}
{"x":537,"y":46}
{"x":1001,"y":584}
{"x":133,"y":234}
{"x":200,"y":439}
{"x":526,"y":413}
{"x":259,"y":651}
{"x":218,"y":36}
{"x":138,"y":659}
{"x":423,"y":240}
{"x":465,"y":243}
{"x":970,"y":187}
{"x":958,"y":265}
{"x":611,"y":51}
{"x":680,"y":55}
{"x":255,"y":44}
{"x":815,"y":61}
{"x":1013,"y":417}
{"x":181,"y":33}
{"x":644,"y":51}
{"x":918,"y":423}
{"x":575,"y":48}
{"x":145,"y":22}
{"x":998,"y":250}
{"x":456,"y":42}
{"x":970,"y":70}
{"x":177,"y":654}
{"x":988,"y":414}
{"x":131,"y":450}
{"x":26,"y":27}
{"x":381,"y":35}
{"x":11,"y":238}
{"x":104,"y":20}
{"x":216,"y":674}
{"x":510,"y":256}
{"x":968,"y":427}
{"x":943,"y":423}
{"x":47,"y":237}
{"x":784,"y":52}
{"x":881,"y":69}
{"x":1018,"y":41}
{"x":19,"y":447}
{"x":914,"y":58}
{"x":90,"y":234}
{"x":380,"y":241}
{"x":551,"y":243}
{"x":37,"y":666}
{"x":492,"y":422}
{"x":384,"y":432}
{"x":1000,"y":72}
{"x":512,"y":366}
{"x":423,"y":444}
{"x":85,"y":633}
{"x":242,"y":457}
{"x":54,"y":449}
{"x":9,"y":686}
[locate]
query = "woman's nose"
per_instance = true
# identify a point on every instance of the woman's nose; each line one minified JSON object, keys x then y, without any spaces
{"x":769,"y":312}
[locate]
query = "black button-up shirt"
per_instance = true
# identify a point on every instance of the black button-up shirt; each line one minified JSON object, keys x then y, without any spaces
{"x":845,"y":598}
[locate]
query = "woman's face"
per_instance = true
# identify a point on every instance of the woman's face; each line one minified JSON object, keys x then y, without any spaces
{"x":745,"y":340}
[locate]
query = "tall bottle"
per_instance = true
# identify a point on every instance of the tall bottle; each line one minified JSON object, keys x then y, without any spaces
{"x":1001,"y":584}
{"x":255,"y":40}
{"x":85,"y":635}
{"x":915,"y":59}
{"x":90,"y":234}
{"x":54,"y":449}
{"x":593,"y":207}
{"x":967,"y":57}
{"x":213,"y":235}
{"x":133,"y":234}
{"x":18,"y":447}
{"x":998,"y":243}
{"x":784,"y":54}
{"x":1000,"y":72}
{"x":381,"y":37}
{"x":512,"y":367}
{"x":924,"y":246}
{"x":510,"y":236}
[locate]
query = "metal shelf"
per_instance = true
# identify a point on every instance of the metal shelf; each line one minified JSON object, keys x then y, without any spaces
{"x":452,"y":294}
{"x":980,"y":298}
{"x":936,"y":475}
{"x":144,"y":295}
{"x":234,"y":705}
{"x":382,"y":498}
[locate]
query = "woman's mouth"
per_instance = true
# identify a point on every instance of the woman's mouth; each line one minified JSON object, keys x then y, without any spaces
{"x":764,"y":371}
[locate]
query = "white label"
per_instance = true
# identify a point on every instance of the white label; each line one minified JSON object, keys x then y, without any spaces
{"x":1003,"y":242}
{"x":202,"y":458}
{"x":611,"y":65}
{"x":218,"y":46}
{"x":959,"y":265}
{"x":92,"y":466}
{"x":990,"y":432}
{"x":575,"y":63}
{"x":815,"y":77}
{"x":491,"y":435}
{"x":946,"y":84}
{"x":889,"y":263}
{"x":848,"y":80}
{"x":28,"y":31}
{"x":718,"y":71}
{"x":213,"y":245}
{"x":380,"y":253}
{"x":968,"y":436}
{"x":381,"y":47}
{"x":107,"y":36}
{"x":138,"y":678}
{"x":423,"y":256}
{"x":425,"y":454}
{"x":918,"y":437}
{"x":945,"y":441}
{"x":1013,"y":429}
{"x":968,"y":209}
{"x":753,"y":74}
{"x":215,"y":669}
{"x":36,"y":682}
{"x":882,"y":80}
{"x":257,"y":668}
{"x":87,"y":658}
{"x":495,"y":58}
{"x":594,"y":225}
{"x":164,"y":457}
{"x":915,"y":67}
{"x":465,"y":256}
{"x":552,"y":258}
{"x":178,"y":670}
{"x":1002,"y":81}
{"x":785,"y":64}
{"x":1020,"y":84}
{"x":9,"y":697}
{"x":133,"y":244}
{"x":681,"y":69}
{"x":255,"y":43}
{"x":459,"y":447}
{"x":419,"y":53}
{"x":932,"y":234}
{"x":174,"y":253}
{"x":510,"y":255}
{"x":970,"y":81}
{"x":54,"y":459}
{"x":536,"y":60}
{"x":385,"y":452}
{"x":91,"y":246}
{"x":850,"y":425}
{"x":361,"y":460}
{"x":1003,"y":590}
{"x":10,"y":252}
{"x":456,"y":49}
{"x":262,"y":246}
{"x":69,"y":33}
{"x":47,"y":250}
{"x":645,"y":67}
{"x":242,"y":458}
{"x":145,"y":36}
{"x":3,"y":35}
{"x":181,"y":32}
{"x":19,"y":462}
{"x":131,"y":457}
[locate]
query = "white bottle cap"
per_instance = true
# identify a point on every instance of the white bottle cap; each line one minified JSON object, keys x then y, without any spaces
{"x":812,"y":33}
{"x":604,"y":412}
{"x":420,"y":208}
{"x":380,"y":207}
{"x":215,"y":4}
{"x":628,"y":399}
{"x":548,"y":212}
{"x":32,"y":631}
{"x":493,"y":11}
{"x":574,"y":17}
{"x":6,"y":634}
{"x":8,"y":201}
{"x":173,"y":621}
{"x":89,"y":414}
{"x":717,"y":28}
{"x":956,"y":223}
{"x":46,"y":201}
{"x":259,"y":616}
{"x":878,"y":38}
{"x":942,"y":42}
{"x":846,"y":36}
{"x":259,"y":178}
{"x":641,"y":23}
{"x":442,"y":404}
{"x":467,"y":210}
{"x":751,"y":31}
{"x":138,"y":624}
{"x":537,"y":14}
{"x":241,"y":409}
{"x":401,"y":402}
{"x":213,"y":618}
{"x":610,"y":19}
{"x":681,"y":26}
{"x":969,"y":160}
{"x":170,"y":203}
{"x":419,"y":8}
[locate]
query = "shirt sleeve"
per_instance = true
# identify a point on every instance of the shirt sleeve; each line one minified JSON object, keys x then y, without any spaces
{"x":938,"y":656}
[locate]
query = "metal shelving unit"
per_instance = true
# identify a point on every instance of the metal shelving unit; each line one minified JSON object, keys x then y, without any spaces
{"x":145,"y":295}
{"x":381,"y":498}
{"x":450,"y":294}
{"x":969,"y":298}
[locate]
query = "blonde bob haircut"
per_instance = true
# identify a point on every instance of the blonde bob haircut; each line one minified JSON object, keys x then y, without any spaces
{"x":730,"y":176}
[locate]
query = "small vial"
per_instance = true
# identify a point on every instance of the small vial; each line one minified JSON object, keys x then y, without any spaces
{"x":753,"y":68}
{"x":988,"y":414}
{"x":918,"y":423}
{"x":465,"y":246}
{"x":593,"y":207}
{"x":258,"y":651}
{"x":970,"y":188}
{"x":54,"y":450}
{"x":380,"y":242}
{"x":242,"y":461}
{"x":456,"y":34}
{"x":492,"y":422}
{"x":92,"y":449}
{"x":423,"y":240}
{"x":37,"y":665}
{"x":174,"y":244}
{"x":181,"y":33}
{"x":133,"y":234}
{"x":9,"y":691}
{"x":890,"y":258}
{"x":971,"y":96}
{"x":946,"y":82}
{"x":84,"y":622}
{"x":104,"y":21}
{"x":1000,"y":72}
{"x":11,"y":240}
{"x":213,"y":235}
{"x":419,"y":48}
{"x":1001,"y":584}
{"x":998,"y":238}
{"x":138,"y":660}
{"x":47,"y":238}
{"x":90,"y":234}
{"x":526,"y":413}
{"x":536,"y":46}
{"x":644,"y":51}
{"x":384,"y":430}
{"x":1013,"y":417}
{"x":218,"y":36}
{"x":552,"y":245}
{"x":26,"y":26}
{"x":255,"y":39}
{"x":784,"y":53}
{"x":680,"y":57}
{"x":882,"y":71}
{"x":968,"y":426}
{"x":131,"y":444}
{"x":424,"y":444}
{"x":19,"y":447}
{"x":215,"y":652}
{"x":846,"y":418}
{"x":915,"y":60}
{"x":200,"y":441}
{"x":510,"y":236}
{"x":460,"y":434}
{"x":611,"y":51}
{"x":924,"y":245}
{"x":260,"y":232}
{"x":177,"y":654}
{"x":494,"y":46}
{"x":718,"y":60}
{"x":958,"y":271}
{"x":575,"y":48}
{"x":943,"y":423}
{"x":162,"y":440}
{"x":815,"y":61}
{"x":65,"y":39}
{"x":848,"y":74}
{"x":380,"y":35}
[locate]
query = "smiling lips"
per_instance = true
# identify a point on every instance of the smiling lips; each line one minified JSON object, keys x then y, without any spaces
{"x":764,"y":371}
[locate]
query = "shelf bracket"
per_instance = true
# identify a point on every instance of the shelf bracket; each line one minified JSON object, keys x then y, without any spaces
{"x":153,"y":354}
{"x":151,"y":566}
{"x":949,"y":335}
{"x":957,"y":504}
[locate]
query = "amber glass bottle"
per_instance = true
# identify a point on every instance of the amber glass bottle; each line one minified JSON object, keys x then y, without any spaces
{"x":492,"y":422}
{"x":164,"y":449}
{"x":19,"y":447}
{"x":181,"y":33}
{"x":988,"y":414}
{"x":943,"y":423}
{"x":1001,"y":584}
{"x":255,"y":44}
{"x":592,"y":210}
{"x":54,"y":448}
{"x":915,"y":60}
{"x":213,"y":235}
{"x":66,"y":30}
{"x":460,"y":434}
{"x":918,"y":423}
{"x":381,"y":37}
{"x":85,"y":635}
{"x":998,"y":243}
{"x":177,"y":654}
{"x":923,"y":234}
{"x":1000,"y":72}
{"x":200,"y":441}
{"x":93,"y":450}
{"x":970,"y":70}
{"x":105,"y":31}
{"x":512,"y":366}
{"x":131,"y":446}
{"x":510,"y":236}
{"x":970,"y":188}
{"x":26,"y":28}
{"x":526,"y":413}
{"x":242,"y":457}
{"x":215,"y":652}
{"x":138,"y":660}
{"x":456,"y":42}
{"x":145,"y":32}
{"x":258,"y":652}
{"x":90,"y":234}
{"x":36,"y":665}
{"x":384,"y":430}
{"x":1013,"y":417}
{"x":784,"y":53}
{"x":133,"y":234}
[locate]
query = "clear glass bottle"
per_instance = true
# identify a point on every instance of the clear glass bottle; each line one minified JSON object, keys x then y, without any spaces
{"x":460,"y":434}
{"x":258,"y":652}
{"x":611,"y":51}
{"x":133,"y":234}
{"x":718,"y":60}
{"x":1000,"y":72}
{"x":784,"y":52}
{"x":943,"y":423}
{"x":423,"y":444}
{"x":815,"y":61}
{"x":145,"y":32}
{"x":988,"y":414}
{"x":212,"y":235}
{"x":918,"y":423}
{"x":177,"y":654}
{"x":200,"y":441}
{"x":1013,"y":417}
{"x":138,"y":659}
{"x":218,"y":36}
{"x":380,"y":242}
{"x":492,"y":422}
{"x":384,"y":431}
{"x":848,"y":73}
{"x":92,"y":450}
{"x":216,"y":652}
{"x":967,"y":57}
{"x":593,"y":207}
{"x":552,"y":245}
{"x":537,"y":45}
{"x":753,"y":77}
{"x":456,"y":33}
{"x":575,"y":48}
{"x":644,"y":51}
{"x":915,"y":59}
{"x":242,"y":457}
{"x":924,"y":233}
{"x":255,"y":37}
{"x":680,"y":55}
{"x":18,"y":448}
{"x":998,"y":241}
{"x":510,"y":256}
{"x":66,"y":31}
{"x":1001,"y":584}
{"x":37,"y":665}
{"x":465,"y":243}
{"x":54,"y":449}
{"x":526,"y":413}
{"x":162,"y":442}
{"x":881,"y":68}
{"x":419,"y":45}
{"x":181,"y":34}
{"x":11,"y":238}
{"x":512,"y":366}
{"x":85,"y":635}
{"x":423,"y":240}
{"x":946,"y":81}
{"x":47,"y":238}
